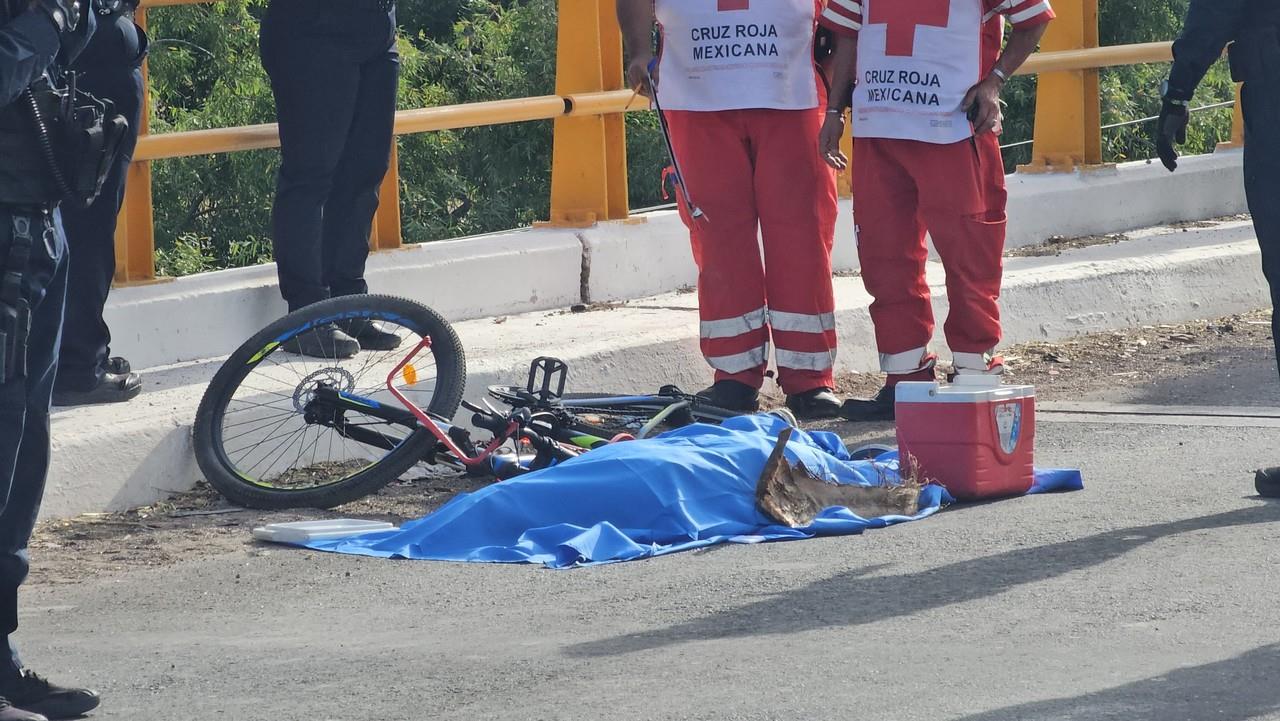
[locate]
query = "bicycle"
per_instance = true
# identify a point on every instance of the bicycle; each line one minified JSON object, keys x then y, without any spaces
{"x":278,"y":430}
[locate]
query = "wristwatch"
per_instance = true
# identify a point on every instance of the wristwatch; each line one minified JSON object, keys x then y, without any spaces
{"x":1164,"y":95}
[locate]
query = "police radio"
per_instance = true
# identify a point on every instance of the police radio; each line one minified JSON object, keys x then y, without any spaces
{"x":78,"y":135}
{"x":75,"y":134}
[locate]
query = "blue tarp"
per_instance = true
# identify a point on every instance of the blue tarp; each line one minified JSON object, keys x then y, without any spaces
{"x":686,"y":489}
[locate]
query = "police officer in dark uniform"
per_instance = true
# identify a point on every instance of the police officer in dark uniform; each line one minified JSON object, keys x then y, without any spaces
{"x":44,"y":134}
{"x":1252,"y":27}
{"x":110,"y":67}
{"x":334,"y":70}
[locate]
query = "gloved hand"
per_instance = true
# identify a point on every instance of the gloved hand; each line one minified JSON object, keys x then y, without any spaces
{"x":1171,"y":129}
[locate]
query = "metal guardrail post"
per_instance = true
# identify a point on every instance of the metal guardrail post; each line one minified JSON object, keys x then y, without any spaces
{"x":386,"y":233}
{"x":1068,"y":109}
{"x":1237,"y":126}
{"x":844,"y":181}
{"x":135,"y":226}
{"x":589,"y":159}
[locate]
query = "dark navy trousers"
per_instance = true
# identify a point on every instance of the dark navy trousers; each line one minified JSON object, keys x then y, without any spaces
{"x":334,"y":70}
{"x":91,"y":237}
{"x":1261,"y":101}
{"x":24,"y":416}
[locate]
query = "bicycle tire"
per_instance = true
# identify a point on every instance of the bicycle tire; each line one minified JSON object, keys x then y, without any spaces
{"x":211,"y":456}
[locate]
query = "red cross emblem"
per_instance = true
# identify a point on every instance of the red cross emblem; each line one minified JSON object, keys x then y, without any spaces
{"x":727,"y":5}
{"x":901,"y":18}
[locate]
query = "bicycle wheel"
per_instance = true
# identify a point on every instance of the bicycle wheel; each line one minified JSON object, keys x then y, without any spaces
{"x":279,"y":430}
{"x":615,"y":413}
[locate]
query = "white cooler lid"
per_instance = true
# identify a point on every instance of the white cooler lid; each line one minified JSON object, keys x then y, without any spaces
{"x":915,"y":392}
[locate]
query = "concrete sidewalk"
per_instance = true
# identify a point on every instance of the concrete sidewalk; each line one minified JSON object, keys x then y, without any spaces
{"x":109,"y":458}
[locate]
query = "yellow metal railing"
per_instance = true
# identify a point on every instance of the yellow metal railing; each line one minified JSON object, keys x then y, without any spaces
{"x":589,"y":167}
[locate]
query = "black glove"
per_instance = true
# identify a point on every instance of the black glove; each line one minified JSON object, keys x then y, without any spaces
{"x":1171,"y":128}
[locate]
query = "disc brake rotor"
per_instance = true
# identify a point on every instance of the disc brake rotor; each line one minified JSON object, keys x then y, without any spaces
{"x":339,"y":378}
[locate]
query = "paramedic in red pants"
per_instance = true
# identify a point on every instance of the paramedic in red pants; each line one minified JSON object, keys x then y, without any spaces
{"x":926,"y":121}
{"x":738,"y":82}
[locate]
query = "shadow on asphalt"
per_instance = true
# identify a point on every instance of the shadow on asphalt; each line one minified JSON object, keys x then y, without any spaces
{"x":1234,"y":689}
{"x":854,"y":599}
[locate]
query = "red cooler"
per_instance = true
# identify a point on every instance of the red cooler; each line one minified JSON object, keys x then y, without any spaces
{"x":974,"y":437}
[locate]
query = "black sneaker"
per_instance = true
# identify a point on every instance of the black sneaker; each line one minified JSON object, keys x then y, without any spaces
{"x":1267,"y":481}
{"x":114,"y":388}
{"x":9,"y":712}
{"x":732,"y":396}
{"x":324,"y":341}
{"x":879,"y":407}
{"x":813,"y":405}
{"x":370,"y":335}
{"x":29,"y":692}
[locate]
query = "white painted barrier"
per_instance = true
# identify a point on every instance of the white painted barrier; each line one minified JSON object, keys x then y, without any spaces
{"x":533,"y":269}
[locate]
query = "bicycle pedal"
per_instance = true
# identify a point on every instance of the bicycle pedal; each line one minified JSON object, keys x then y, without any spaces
{"x":545,"y":372}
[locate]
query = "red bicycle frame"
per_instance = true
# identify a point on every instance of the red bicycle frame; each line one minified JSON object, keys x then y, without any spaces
{"x":430,"y":424}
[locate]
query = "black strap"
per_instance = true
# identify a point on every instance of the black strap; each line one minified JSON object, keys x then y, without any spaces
{"x":15,"y":310}
{"x":15,"y":264}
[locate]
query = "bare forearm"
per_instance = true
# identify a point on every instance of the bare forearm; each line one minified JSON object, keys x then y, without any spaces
{"x":1022,"y":43}
{"x":636,"y":19}
{"x":844,"y":71}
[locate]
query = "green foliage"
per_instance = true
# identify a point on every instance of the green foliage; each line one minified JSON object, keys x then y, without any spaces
{"x":214,"y":211}
{"x":1131,"y":93}
{"x":205,"y":73}
{"x":480,"y":179}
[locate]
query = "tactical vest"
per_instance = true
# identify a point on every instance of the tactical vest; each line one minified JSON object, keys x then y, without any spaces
{"x":25,"y":176}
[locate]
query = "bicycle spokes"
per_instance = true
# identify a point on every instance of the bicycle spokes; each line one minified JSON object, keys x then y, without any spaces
{"x":305,"y":421}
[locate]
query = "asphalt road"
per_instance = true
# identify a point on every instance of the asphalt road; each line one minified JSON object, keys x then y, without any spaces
{"x":1153,"y":594}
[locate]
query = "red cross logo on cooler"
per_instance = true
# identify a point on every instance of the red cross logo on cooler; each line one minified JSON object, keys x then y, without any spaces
{"x":901,"y":18}
{"x":728,"y":5}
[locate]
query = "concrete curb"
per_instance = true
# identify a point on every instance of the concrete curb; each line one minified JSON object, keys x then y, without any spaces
{"x":108,"y":458}
{"x":533,"y":269}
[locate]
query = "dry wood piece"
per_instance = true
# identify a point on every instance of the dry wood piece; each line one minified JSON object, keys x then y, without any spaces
{"x":793,"y":496}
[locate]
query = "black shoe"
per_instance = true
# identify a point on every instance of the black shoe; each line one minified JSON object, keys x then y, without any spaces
{"x":31,"y":693}
{"x":9,"y":712}
{"x":816,"y":404}
{"x":324,"y":341}
{"x":1267,"y":481}
{"x":370,"y":335}
{"x":732,"y":396}
{"x":866,"y":410}
{"x":114,"y":388}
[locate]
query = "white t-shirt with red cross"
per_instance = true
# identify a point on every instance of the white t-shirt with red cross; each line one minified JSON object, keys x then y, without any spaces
{"x":737,"y":54}
{"x":917,"y":59}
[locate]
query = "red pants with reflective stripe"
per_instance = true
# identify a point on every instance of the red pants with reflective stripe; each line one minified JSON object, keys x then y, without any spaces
{"x":903,"y":188}
{"x":758,"y":177}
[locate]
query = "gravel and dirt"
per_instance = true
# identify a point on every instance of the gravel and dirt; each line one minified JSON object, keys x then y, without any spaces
{"x":199,"y":523}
